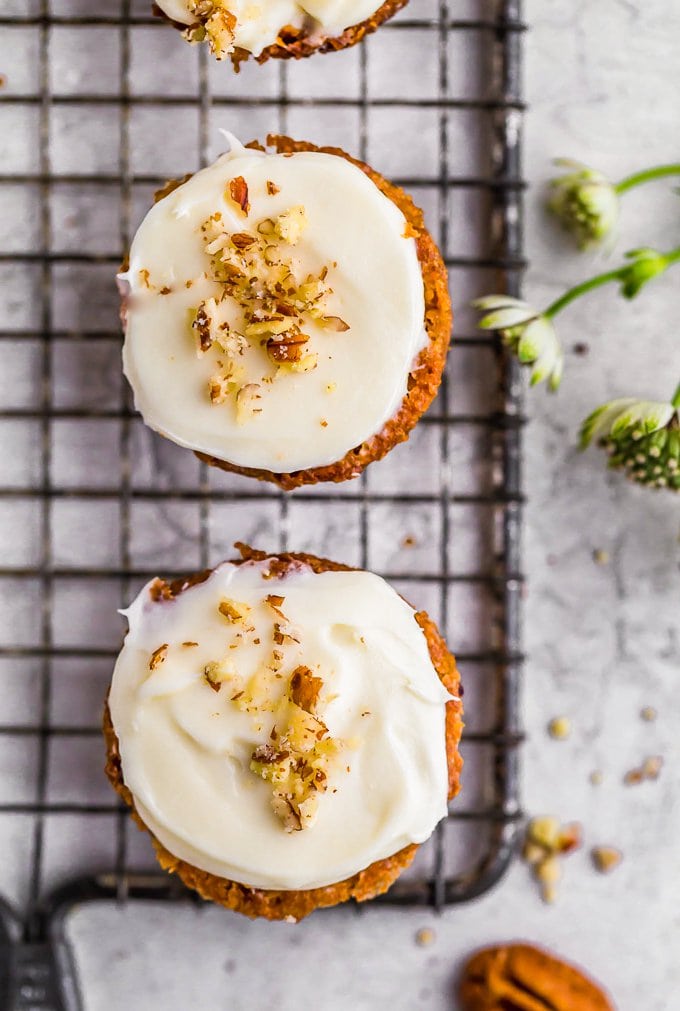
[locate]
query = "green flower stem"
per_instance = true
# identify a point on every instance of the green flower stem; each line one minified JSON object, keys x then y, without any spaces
{"x":675,"y":400}
{"x":580,"y":289}
{"x":646,"y":176}
{"x":597,"y":282}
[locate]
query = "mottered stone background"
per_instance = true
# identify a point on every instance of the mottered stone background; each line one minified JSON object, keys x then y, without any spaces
{"x":602,"y":80}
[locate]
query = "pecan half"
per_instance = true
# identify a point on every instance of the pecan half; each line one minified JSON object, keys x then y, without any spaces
{"x":520,"y":977}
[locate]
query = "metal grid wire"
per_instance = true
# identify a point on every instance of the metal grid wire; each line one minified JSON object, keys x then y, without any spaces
{"x":100,"y":110}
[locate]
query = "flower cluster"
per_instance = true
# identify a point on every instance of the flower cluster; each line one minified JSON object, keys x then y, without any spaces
{"x":641,"y":437}
{"x":528,"y":333}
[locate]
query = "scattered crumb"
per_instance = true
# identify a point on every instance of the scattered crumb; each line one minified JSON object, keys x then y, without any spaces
{"x":606,"y":858}
{"x":648,"y":714}
{"x":649,"y":770}
{"x":600,"y":556}
{"x":581,"y":348}
{"x":409,"y":541}
{"x":546,"y":841}
{"x":289,"y":919}
{"x":559,"y":728}
{"x":323,"y":423}
{"x":425,"y":936}
{"x":3,"y":80}
{"x":596,"y":777}
{"x":651,"y":767}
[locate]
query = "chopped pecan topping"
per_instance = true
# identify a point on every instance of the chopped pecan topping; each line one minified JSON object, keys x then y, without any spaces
{"x":272,"y":188}
{"x":217,"y":672}
{"x":284,"y":809}
{"x":305,"y":689}
{"x":276,"y":602}
{"x":334,"y":323}
{"x":238,"y":191}
{"x":266,"y":755}
{"x":291,"y":224}
{"x":284,"y":633}
{"x":302,"y":754}
{"x":233,"y":610}
{"x":158,"y":656}
{"x":256,"y":273}
{"x":246,"y":401}
{"x":216,"y":24}
{"x":287,"y":347}
{"x":202,"y":325}
{"x":242,"y":240}
{"x":160,"y":590}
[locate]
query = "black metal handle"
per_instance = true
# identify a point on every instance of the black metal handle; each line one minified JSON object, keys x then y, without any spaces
{"x":32,"y":981}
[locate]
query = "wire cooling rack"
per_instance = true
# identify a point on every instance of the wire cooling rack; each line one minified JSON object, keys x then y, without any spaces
{"x":97,"y":110}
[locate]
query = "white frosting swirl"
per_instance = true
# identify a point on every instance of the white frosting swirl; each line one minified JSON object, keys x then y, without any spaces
{"x":307,"y":419}
{"x":260,"y":21}
{"x":185,"y":749}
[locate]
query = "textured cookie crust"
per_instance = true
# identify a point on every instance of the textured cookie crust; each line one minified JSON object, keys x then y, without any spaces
{"x":296,"y":904}
{"x":293,"y":44}
{"x":426,"y":374}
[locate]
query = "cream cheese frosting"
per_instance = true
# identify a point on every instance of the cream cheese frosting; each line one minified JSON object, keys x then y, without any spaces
{"x":258,"y":24}
{"x":187,"y":749}
{"x":351,"y":235}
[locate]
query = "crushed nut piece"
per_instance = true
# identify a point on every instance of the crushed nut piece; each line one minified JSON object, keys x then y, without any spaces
{"x":425,"y":936}
{"x":217,"y":672}
{"x":272,"y":188}
{"x":246,"y":399}
{"x":238,"y":191}
{"x":275,"y":601}
{"x":285,"y":633}
{"x":560,"y":728}
{"x":600,"y":556}
{"x":215,"y":23}
{"x":305,"y":688}
{"x":291,"y":224}
{"x":158,"y":656}
{"x":189,"y":643}
{"x":606,"y":858}
{"x":596,"y":777}
{"x":648,"y":714}
{"x":288,"y":346}
{"x":202,"y":326}
{"x":334,"y":323}
{"x":234,"y":610}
